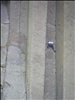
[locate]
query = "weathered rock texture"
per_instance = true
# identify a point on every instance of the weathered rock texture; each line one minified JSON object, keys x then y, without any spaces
{"x":36,"y":50}
{"x":14,"y":83}
{"x":65,"y":50}
{"x":50,"y":69}
{"x":30,"y":70}
{"x":68,"y":56}
{"x":4,"y":40}
{"x":59,"y":48}
{"x":74,"y":49}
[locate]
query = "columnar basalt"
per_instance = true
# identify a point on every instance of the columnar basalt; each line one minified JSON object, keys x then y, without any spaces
{"x":30,"y":70}
{"x":14,"y":83}
{"x":4,"y":41}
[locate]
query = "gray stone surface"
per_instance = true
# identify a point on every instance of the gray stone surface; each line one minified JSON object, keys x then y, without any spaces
{"x":50,"y":69}
{"x":49,"y":75}
{"x":65,"y":51}
{"x":3,"y":56}
{"x":4,"y":34}
{"x":74,"y":49}
{"x":14,"y":88}
{"x":14,"y":35}
{"x":24,"y":26}
{"x":51,"y":12}
{"x":36,"y":50}
{"x":2,"y":80}
{"x":68,"y":70}
{"x":13,"y":55}
{"x":4,"y":14}
{"x":2,"y":76}
{"x":59,"y":48}
{"x":4,"y":40}
{"x":23,"y":58}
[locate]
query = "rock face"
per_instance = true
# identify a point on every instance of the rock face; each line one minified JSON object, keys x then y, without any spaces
{"x":3,"y":56}
{"x":65,"y":80}
{"x":13,"y":57}
{"x":30,"y":70}
{"x":4,"y":40}
{"x":36,"y":50}
{"x":4,"y":14}
{"x":50,"y":68}
{"x":4,"y":34}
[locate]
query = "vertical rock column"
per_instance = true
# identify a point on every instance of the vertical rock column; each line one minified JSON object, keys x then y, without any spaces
{"x":59,"y":48}
{"x":65,"y":50}
{"x":23,"y":35}
{"x":14,"y":87}
{"x":4,"y":39}
{"x":50,"y":81}
{"x":36,"y":50}
{"x":74,"y":49}
{"x":68,"y":57}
